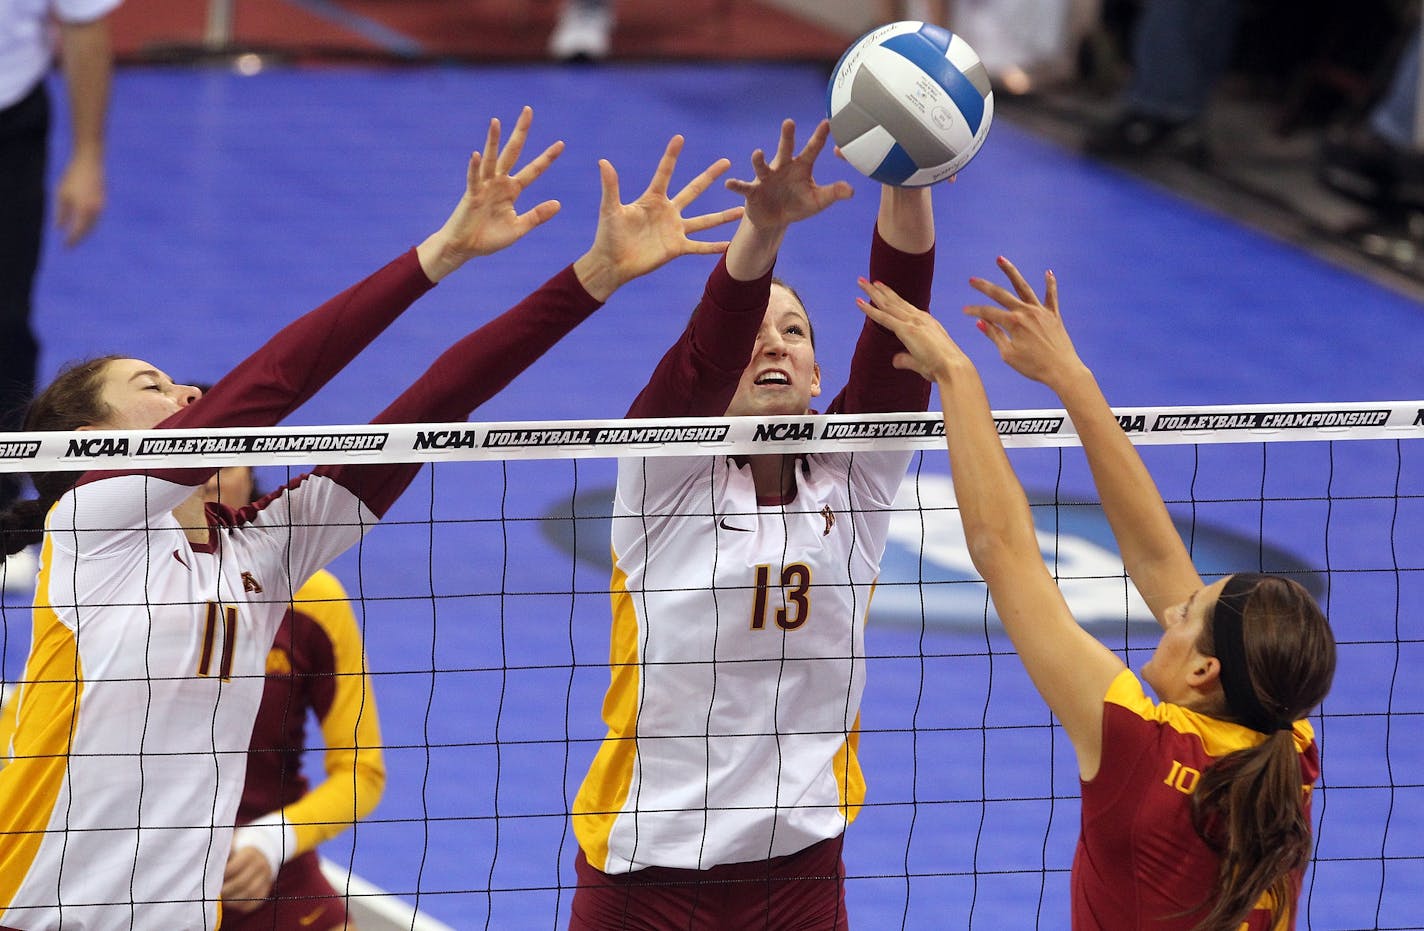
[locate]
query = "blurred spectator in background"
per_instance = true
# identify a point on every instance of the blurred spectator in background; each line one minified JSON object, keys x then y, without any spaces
{"x":1315,"y":60}
{"x":926,"y":11}
{"x":584,"y":31}
{"x":1024,"y":44}
{"x":1381,"y":160}
{"x":1179,"y":49}
{"x":30,"y":33}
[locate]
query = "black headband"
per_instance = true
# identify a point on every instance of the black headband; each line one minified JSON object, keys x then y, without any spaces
{"x":1226,"y":622}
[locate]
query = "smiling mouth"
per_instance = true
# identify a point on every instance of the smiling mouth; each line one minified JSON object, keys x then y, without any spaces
{"x":775,"y":379}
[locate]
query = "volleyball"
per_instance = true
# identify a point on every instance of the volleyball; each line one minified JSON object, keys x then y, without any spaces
{"x":910,"y":104}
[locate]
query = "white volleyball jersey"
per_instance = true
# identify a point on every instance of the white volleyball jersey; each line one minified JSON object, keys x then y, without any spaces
{"x":121,"y":784}
{"x":738,"y":660}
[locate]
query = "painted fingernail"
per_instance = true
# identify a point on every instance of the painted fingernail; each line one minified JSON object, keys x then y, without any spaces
{"x":981,"y":326}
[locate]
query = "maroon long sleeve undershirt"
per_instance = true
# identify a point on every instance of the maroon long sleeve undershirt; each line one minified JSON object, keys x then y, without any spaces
{"x":875,"y":385}
{"x":306,"y":354}
{"x":698,"y":376}
{"x":469,"y":373}
{"x":298,"y":360}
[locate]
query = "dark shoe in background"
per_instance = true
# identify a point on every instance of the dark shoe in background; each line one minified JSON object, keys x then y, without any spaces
{"x":1137,"y":135}
{"x":1360,"y":164}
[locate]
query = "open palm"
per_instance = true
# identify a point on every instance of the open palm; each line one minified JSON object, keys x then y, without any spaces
{"x":635,"y":238}
{"x":784,"y":190}
{"x":486,"y":220}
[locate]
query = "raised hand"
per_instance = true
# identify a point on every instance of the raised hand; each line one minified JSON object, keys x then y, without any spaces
{"x":784,"y":191}
{"x":1028,"y":333}
{"x":929,"y":350}
{"x":485,"y":220}
{"x":636,"y":238}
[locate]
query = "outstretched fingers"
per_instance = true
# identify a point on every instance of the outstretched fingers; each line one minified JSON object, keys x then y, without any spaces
{"x":995,"y":292}
{"x":509,"y":157}
{"x":886,"y":307}
{"x":708,"y":220}
{"x":538,"y":214}
{"x":695,"y":188}
{"x":786,"y":145}
{"x":539,"y":164}
{"x":611,"y":198}
{"x":993,"y":323}
{"x":1021,"y":286}
{"x":812,"y":150}
{"x":489,"y":158}
{"x":930,"y":351}
{"x":662,"y":176}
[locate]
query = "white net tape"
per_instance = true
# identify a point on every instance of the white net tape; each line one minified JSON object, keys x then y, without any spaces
{"x":686,"y":436}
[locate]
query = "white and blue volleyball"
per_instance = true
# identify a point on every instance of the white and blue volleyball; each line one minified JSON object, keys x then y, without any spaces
{"x":910,"y":104}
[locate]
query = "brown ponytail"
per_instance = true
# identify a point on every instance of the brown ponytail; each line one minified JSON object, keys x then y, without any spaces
{"x":70,"y":401}
{"x":1250,"y":805}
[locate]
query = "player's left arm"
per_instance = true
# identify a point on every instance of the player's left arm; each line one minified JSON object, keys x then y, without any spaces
{"x":902,"y":254}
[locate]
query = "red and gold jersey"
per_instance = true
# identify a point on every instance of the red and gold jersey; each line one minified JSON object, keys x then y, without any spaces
{"x":1139,"y":862}
{"x":316,"y":665}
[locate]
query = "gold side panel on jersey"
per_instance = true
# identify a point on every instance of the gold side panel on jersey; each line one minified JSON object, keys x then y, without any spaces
{"x":45,"y":723}
{"x":605,"y":789}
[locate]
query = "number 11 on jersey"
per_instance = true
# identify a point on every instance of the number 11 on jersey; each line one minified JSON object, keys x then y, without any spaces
{"x":229,"y":640}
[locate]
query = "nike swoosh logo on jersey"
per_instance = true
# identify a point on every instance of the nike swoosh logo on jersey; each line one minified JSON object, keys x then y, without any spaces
{"x":308,"y":919}
{"x":180,"y":560}
{"x":726,"y":526}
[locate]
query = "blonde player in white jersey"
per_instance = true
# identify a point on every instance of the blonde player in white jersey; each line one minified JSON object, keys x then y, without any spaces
{"x":121,"y":781}
{"x":740,"y":590}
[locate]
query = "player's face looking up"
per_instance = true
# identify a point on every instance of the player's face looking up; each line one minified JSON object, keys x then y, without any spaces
{"x":1177,"y":662}
{"x":782,"y":376}
{"x":139,"y":396}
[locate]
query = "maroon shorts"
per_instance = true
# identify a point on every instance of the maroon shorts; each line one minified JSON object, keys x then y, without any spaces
{"x":803,"y":890}
{"x":301,"y":900}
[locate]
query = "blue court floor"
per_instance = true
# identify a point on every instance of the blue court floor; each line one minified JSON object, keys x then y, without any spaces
{"x":239,"y":202}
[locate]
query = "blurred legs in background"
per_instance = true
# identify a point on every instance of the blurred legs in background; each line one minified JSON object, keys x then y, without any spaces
{"x":1180,"y":50}
{"x":1380,"y":161}
{"x":584,"y":31}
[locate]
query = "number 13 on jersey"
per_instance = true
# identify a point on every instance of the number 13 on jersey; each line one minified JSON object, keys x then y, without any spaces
{"x":795,"y":586}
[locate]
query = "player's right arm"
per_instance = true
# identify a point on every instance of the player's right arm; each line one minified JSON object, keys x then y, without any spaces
{"x":1031,"y":338}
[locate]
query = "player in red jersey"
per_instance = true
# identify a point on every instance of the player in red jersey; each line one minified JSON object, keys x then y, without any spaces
{"x":1196,"y":807}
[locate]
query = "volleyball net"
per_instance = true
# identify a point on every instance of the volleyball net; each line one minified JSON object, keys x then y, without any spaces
{"x":483,"y":600}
